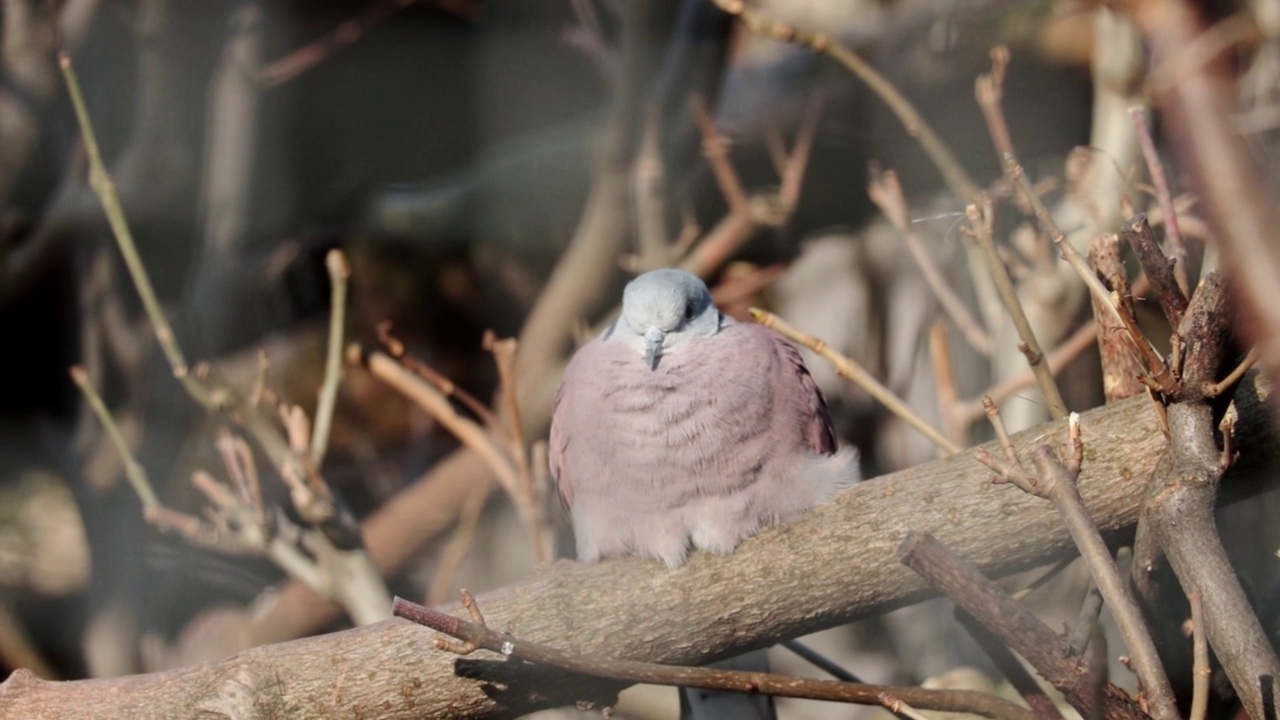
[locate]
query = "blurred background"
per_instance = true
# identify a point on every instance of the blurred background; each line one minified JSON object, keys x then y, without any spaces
{"x":507,"y":166}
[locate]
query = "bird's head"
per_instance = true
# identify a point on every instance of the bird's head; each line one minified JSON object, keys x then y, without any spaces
{"x":662,"y":309}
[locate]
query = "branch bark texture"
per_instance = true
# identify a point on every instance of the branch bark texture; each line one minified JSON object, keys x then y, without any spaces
{"x":834,"y":565}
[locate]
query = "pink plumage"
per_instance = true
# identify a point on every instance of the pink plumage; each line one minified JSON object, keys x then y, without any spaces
{"x":681,"y":427}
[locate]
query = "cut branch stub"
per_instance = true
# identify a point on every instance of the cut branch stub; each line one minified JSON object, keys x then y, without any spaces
{"x":1159,"y":268}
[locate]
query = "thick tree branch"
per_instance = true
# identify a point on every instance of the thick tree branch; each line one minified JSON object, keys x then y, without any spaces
{"x":832,"y":566}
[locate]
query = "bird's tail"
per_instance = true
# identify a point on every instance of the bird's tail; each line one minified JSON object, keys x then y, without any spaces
{"x":830,"y":475}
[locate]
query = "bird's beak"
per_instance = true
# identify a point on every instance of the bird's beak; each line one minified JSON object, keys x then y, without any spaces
{"x":653,"y":338}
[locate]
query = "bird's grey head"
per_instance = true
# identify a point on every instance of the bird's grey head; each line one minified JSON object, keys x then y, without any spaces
{"x":662,"y":309}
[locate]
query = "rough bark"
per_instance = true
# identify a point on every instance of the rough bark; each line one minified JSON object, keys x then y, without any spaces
{"x":836,"y":564}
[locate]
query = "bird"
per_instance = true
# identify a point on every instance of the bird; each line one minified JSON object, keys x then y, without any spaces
{"x":679,"y":428}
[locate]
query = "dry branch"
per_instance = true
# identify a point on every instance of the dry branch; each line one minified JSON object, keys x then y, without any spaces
{"x":476,"y":635}
{"x":1197,"y":98}
{"x":833,"y":565}
{"x":1013,"y":624}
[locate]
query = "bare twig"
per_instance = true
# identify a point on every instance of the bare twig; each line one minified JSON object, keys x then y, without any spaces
{"x":1058,"y":483}
{"x":980,"y":222}
{"x":746,"y":211}
{"x":944,"y":379}
{"x":133,"y":470}
{"x":339,"y":272}
{"x":1173,"y":235}
{"x":1002,"y":434}
{"x":715,"y":147}
{"x":514,"y":481}
{"x":541,"y":536}
{"x":105,"y":188}
{"x":437,"y":405}
{"x":952,"y":171}
{"x":1011,"y":622}
{"x":989,"y":91}
{"x":886,"y":193}
{"x":351,"y":579}
{"x":1044,"y":578}
{"x":346,"y":33}
{"x":1019,"y":177}
{"x":849,"y":369}
{"x":456,"y":549}
{"x":1215,"y":389}
{"x":475,"y":635}
{"x":1168,"y":291}
{"x":1086,"y":620}
{"x":396,"y":349}
{"x":1058,"y":359}
{"x":1197,"y":98}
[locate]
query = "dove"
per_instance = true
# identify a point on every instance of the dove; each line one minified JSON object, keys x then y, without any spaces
{"x":680,"y":428}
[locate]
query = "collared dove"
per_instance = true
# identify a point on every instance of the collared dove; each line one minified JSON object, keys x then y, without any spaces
{"x":680,"y":427}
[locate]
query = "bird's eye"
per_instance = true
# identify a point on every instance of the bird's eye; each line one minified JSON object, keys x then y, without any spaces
{"x":688,"y":311}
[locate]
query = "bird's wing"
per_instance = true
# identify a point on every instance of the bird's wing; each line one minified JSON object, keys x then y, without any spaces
{"x":795,"y":378}
{"x":557,"y":445}
{"x":568,"y":400}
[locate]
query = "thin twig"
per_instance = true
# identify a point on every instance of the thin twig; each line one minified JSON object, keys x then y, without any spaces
{"x":989,"y":92}
{"x":1167,"y":288}
{"x":1010,"y":621}
{"x":791,"y":176}
{"x":1002,"y":433}
{"x":944,"y":379}
{"x":1057,"y":481}
{"x":847,"y":368}
{"x":469,"y":433}
{"x":1226,"y":383}
{"x":475,"y":635}
{"x":104,"y":187}
{"x":455,"y":550}
{"x":1086,"y":620}
{"x":1057,"y":360}
{"x":1013,"y":169}
{"x":133,"y":470}
{"x":346,"y":33}
{"x":746,"y":212}
{"x":1043,"y":579}
{"x":886,"y":193}
{"x":820,"y":661}
{"x":339,"y":272}
{"x":952,"y":170}
{"x":980,"y":222}
{"x":715,"y":148}
{"x":396,"y":349}
{"x":1172,"y":234}
{"x":392,"y":372}
{"x":541,"y":536}
{"x":953,"y":173}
